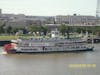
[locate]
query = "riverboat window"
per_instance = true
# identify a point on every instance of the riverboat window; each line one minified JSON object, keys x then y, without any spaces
{"x":26,"y":44}
{"x":61,"y":43}
{"x":77,"y":47}
{"x":28,"y":49}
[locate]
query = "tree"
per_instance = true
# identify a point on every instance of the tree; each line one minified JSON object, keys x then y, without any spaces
{"x":33,"y":28}
{"x":39,"y":29}
{"x":9,"y":29}
{"x":44,"y":29}
{"x":14,"y":30}
{"x":2,"y":29}
{"x":64,"y":29}
{"x":68,"y":32}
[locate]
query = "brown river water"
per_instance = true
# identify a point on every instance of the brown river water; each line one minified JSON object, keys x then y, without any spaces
{"x":51,"y":63}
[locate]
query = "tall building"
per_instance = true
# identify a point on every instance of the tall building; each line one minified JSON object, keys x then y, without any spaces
{"x":75,"y":19}
{"x":98,"y":9}
{"x":0,"y":11}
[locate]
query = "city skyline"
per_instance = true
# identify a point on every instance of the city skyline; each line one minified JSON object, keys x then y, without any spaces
{"x":49,"y":7}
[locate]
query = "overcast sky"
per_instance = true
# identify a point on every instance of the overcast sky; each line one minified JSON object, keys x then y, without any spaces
{"x":49,"y":7}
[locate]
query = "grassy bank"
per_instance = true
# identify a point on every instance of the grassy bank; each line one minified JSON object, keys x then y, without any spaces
{"x":8,"y":37}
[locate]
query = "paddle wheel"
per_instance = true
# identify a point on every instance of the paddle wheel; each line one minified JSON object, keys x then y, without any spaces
{"x":10,"y":48}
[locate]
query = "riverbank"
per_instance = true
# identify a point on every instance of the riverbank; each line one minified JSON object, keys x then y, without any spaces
{"x":8,"y":37}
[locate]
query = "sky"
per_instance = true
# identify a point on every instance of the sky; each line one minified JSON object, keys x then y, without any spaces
{"x":49,"y":7}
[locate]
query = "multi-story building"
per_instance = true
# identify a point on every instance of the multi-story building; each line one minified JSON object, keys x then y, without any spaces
{"x":98,"y":9}
{"x":14,"y":20}
{"x":39,"y":20}
{"x":75,"y":20}
{"x":98,"y":12}
{"x":0,"y":11}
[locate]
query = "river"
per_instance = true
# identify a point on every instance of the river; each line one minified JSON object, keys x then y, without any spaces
{"x":51,"y":64}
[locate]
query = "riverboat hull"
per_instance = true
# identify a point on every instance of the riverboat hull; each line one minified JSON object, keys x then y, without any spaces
{"x":49,"y":51}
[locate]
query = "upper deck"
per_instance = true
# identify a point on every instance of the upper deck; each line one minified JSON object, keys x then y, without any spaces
{"x":79,"y":40}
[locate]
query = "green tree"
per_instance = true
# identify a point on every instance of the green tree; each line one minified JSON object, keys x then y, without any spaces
{"x":44,"y":29}
{"x":33,"y":28}
{"x":9,"y":29}
{"x":65,"y":29}
{"x":62,"y":28}
{"x":1,"y":29}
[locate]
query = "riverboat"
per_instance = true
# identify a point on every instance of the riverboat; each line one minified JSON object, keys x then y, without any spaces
{"x":44,"y":45}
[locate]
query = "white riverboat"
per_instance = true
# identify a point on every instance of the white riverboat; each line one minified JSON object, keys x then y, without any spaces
{"x":42,"y":45}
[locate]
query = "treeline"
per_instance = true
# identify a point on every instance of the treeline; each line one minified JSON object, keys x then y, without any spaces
{"x":78,"y":29}
{"x":25,"y":30}
{"x":10,"y":30}
{"x":64,"y":29}
{"x":7,"y":30}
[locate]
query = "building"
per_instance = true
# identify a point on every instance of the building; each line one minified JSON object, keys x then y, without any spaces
{"x":75,"y":20}
{"x":0,"y":11}
{"x":14,"y":20}
{"x":98,"y":9}
{"x":39,"y":20}
{"x":21,"y":20}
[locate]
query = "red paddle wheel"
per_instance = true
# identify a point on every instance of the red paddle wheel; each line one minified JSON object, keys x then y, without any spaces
{"x":10,"y":48}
